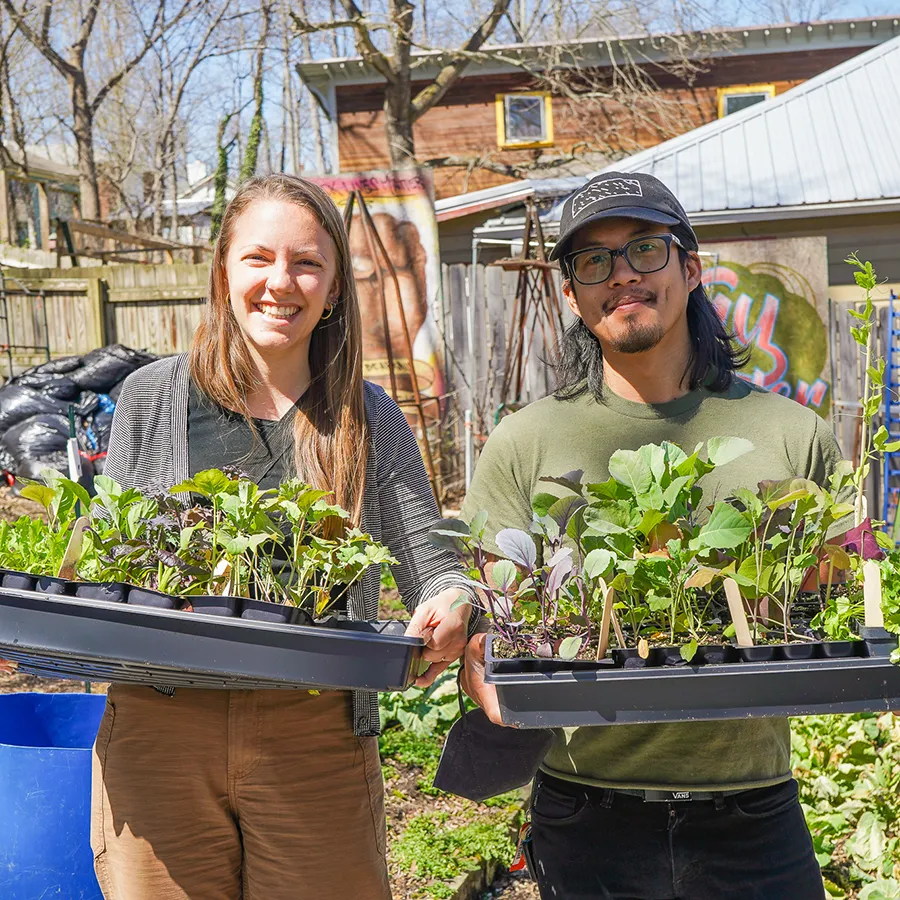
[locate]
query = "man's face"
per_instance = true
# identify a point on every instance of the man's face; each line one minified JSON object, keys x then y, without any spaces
{"x":631,"y":312}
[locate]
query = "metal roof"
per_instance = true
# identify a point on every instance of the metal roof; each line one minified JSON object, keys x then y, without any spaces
{"x":827,"y":146}
{"x":863,"y":31}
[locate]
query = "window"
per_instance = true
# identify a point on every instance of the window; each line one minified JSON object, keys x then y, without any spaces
{"x":734,"y":99}
{"x":524,"y":120}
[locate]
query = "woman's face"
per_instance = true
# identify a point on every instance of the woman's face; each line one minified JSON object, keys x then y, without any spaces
{"x":281,"y":268}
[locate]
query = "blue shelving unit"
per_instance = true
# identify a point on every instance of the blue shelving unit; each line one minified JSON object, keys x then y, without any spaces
{"x":891,"y":473}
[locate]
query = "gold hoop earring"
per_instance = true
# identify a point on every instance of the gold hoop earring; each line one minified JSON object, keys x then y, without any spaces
{"x":328,"y":314}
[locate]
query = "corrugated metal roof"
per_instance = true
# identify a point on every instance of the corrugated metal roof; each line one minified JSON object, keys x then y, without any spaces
{"x":832,"y":142}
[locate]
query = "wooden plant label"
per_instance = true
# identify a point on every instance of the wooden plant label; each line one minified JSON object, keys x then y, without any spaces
{"x":223,"y":567}
{"x":73,"y":550}
{"x":617,"y":628}
{"x":738,"y":615}
{"x":874,"y":617}
{"x":608,"y":599}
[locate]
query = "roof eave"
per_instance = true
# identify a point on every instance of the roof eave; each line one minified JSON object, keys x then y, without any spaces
{"x":863,"y":31}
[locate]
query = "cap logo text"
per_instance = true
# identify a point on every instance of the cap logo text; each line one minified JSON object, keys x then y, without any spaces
{"x":600,"y":190}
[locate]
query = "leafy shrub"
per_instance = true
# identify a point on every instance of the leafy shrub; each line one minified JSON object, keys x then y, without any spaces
{"x":848,"y":768}
{"x":424,"y":711}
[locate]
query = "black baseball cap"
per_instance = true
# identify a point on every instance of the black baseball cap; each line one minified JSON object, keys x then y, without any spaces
{"x":630,"y":195}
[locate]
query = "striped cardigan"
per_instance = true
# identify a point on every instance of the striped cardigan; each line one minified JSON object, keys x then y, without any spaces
{"x":148,"y":450}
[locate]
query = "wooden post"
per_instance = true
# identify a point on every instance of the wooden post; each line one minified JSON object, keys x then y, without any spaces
{"x":96,"y":293}
{"x":5,"y":230}
{"x":43,"y":215}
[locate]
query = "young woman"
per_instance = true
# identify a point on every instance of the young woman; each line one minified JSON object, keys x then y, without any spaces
{"x":268,"y":795}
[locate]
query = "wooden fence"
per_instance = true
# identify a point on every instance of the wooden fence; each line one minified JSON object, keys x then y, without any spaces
{"x":157,"y":308}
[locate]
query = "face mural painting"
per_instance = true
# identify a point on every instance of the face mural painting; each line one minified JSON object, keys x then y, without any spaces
{"x":401,"y":205}
{"x":773,"y":308}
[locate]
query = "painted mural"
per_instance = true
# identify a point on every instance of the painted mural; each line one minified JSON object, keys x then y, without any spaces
{"x":402,"y":208}
{"x":772,"y":295}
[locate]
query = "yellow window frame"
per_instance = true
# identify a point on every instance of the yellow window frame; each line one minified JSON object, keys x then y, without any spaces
{"x":500,"y":106}
{"x":737,"y":89}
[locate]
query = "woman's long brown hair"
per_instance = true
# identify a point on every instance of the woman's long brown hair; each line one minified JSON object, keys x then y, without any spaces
{"x":330,"y":432}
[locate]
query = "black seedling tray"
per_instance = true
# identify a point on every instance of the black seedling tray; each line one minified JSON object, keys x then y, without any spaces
{"x":539,"y":693}
{"x":95,"y":640}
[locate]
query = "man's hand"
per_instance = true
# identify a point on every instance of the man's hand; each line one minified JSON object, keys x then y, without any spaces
{"x":444,"y":631}
{"x":8,"y":667}
{"x":473,"y":683}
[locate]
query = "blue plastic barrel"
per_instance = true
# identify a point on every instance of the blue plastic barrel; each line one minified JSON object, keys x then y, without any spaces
{"x":45,"y":796}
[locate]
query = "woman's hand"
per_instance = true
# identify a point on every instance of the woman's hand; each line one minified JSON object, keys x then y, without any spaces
{"x":473,"y":683}
{"x":445,"y":632}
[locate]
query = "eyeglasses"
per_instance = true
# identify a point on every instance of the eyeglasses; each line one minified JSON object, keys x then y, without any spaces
{"x":644,"y":254}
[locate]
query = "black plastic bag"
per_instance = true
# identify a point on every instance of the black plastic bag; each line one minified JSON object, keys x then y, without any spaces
{"x":102,"y":426}
{"x":19,"y":402}
{"x":114,"y":392}
{"x":49,"y":383}
{"x":96,"y":430}
{"x":87,"y":404}
{"x":105,"y":367}
{"x":31,"y":469}
{"x":60,"y":366}
{"x":36,"y":438}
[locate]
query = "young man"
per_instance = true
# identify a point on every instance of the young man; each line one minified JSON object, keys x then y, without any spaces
{"x":695,"y":811}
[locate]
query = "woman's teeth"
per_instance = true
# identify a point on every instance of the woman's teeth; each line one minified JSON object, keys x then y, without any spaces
{"x":277,"y":312}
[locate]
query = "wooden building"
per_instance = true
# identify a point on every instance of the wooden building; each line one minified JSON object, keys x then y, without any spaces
{"x":34,"y":191}
{"x":496,"y":110}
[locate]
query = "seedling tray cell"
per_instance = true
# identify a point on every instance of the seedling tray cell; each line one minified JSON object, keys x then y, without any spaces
{"x":548,"y":694}
{"x":95,"y":640}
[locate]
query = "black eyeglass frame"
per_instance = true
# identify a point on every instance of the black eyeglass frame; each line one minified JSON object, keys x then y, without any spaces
{"x":668,"y":239}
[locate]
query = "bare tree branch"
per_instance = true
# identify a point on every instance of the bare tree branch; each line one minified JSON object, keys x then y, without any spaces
{"x":432,"y":94}
{"x":42,"y":45}
{"x":159,"y":28}
{"x":509,"y":170}
{"x":364,"y":44}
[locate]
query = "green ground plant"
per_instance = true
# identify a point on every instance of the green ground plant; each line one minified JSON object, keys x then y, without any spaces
{"x":435,"y":850}
{"x":848,"y":768}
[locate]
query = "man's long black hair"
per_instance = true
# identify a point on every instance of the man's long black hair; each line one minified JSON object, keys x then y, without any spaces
{"x":714,"y":360}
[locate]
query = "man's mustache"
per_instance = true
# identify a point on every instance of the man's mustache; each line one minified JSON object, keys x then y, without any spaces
{"x":625,"y":295}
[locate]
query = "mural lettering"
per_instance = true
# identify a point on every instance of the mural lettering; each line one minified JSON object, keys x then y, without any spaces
{"x":735,"y":295}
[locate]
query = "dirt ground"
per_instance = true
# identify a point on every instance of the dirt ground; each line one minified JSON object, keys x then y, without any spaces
{"x":11,"y":506}
{"x":512,"y":887}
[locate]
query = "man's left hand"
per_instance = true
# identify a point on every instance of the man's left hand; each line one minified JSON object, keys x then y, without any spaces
{"x":445,"y":632}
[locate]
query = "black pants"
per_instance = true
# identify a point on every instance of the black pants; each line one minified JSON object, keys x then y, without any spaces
{"x":591,"y":843}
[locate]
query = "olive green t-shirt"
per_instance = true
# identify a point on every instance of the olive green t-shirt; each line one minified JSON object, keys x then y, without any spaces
{"x":552,"y":437}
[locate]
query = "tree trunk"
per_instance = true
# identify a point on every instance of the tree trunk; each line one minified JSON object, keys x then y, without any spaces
{"x":251,"y":154}
{"x":159,"y":162}
{"x":318,"y":147}
{"x":398,"y":124}
{"x":173,"y":186}
{"x":398,"y":113}
{"x":248,"y":164}
{"x":83,"y":129}
{"x":220,"y":181}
